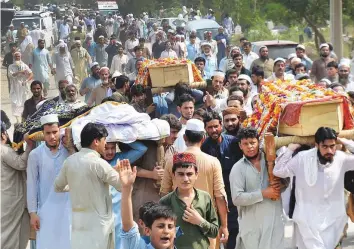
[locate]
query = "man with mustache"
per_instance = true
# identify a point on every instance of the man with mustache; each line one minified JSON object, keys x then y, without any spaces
{"x":103,"y":90}
{"x":344,"y":75}
{"x":225,"y":148}
{"x":231,"y":118}
{"x":263,"y":62}
{"x":320,"y":214}
{"x":71,"y":94}
{"x":318,"y":70}
{"x":279,"y":71}
{"x":259,"y":206}
{"x":91,"y":82}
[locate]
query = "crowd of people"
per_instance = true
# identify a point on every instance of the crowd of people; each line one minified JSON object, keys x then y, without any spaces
{"x":212,"y":187}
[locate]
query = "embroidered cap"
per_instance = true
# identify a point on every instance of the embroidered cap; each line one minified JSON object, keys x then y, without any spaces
{"x":187,"y":158}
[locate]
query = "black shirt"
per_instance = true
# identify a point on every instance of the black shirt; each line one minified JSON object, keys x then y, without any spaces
{"x":8,"y":60}
{"x":228,"y":153}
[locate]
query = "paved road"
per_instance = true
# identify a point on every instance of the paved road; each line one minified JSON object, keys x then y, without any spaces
{"x":6,"y":106}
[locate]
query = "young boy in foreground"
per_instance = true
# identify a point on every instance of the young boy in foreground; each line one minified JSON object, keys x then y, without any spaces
{"x":194,"y":209}
{"x":160,"y":223}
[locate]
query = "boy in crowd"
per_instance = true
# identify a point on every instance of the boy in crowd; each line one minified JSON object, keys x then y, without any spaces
{"x":160,"y":222}
{"x":194,"y":209}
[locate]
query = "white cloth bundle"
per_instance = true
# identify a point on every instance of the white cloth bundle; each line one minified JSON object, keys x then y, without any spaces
{"x":123,"y":123}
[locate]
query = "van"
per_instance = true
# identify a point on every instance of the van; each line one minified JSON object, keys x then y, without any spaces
{"x":41,"y":19}
{"x":201,"y":26}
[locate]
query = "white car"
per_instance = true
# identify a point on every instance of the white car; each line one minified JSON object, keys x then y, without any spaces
{"x":173,"y":22}
{"x":41,"y":19}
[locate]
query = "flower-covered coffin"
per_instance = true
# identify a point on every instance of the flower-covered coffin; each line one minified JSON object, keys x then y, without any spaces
{"x":167,"y":72}
{"x":299,"y":108}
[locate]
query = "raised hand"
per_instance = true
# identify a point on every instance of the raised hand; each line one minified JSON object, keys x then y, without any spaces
{"x":127,"y":175}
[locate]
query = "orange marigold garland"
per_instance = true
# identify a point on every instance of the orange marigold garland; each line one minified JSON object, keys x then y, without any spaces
{"x":143,"y":74}
{"x":277,"y":93}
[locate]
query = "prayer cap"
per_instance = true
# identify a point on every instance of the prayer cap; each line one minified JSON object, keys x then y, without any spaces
{"x":324,"y":45}
{"x":101,"y":36}
{"x":104,"y":69}
{"x":344,"y":62}
{"x":77,"y":41}
{"x":93,"y":64}
{"x":187,"y":158}
{"x":292,"y":55}
{"x":219,"y":73}
{"x":278,"y":59}
{"x":11,"y":25}
{"x":300,"y":46}
{"x":244,"y":77}
{"x":205,"y":44}
{"x":99,"y":25}
{"x":263,"y":46}
{"x":302,"y":76}
{"x":116,"y":74}
{"x":48,"y":119}
{"x":230,"y":110}
{"x":327,"y":81}
{"x":195,"y":125}
{"x":74,"y":27}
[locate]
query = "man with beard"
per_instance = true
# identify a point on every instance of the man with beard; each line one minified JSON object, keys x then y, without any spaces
{"x":101,"y":54}
{"x":130,"y":44}
{"x":227,"y":62}
{"x":62,"y":84}
{"x":231,"y":119}
{"x":244,"y":84}
{"x":214,"y":45}
{"x":81,"y":59}
{"x":100,"y":31}
{"x":217,"y":82}
{"x":263,"y":62}
{"x":103,"y":90}
{"x":279,"y":71}
{"x":119,"y":61}
{"x":40,"y":63}
{"x":301,"y":54}
{"x":257,"y":78}
{"x":44,"y":164}
{"x":319,"y":189}
{"x":240,"y":69}
{"x":71,"y":94}
{"x":318,"y":70}
{"x":259,"y":205}
{"x":225,"y":148}
{"x":29,"y":107}
{"x":91,"y":82}
{"x":122,"y":89}
{"x":159,"y":46}
{"x":343,"y":75}
{"x":211,"y":63}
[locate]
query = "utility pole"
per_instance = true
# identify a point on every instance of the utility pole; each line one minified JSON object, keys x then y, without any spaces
{"x":336,"y":26}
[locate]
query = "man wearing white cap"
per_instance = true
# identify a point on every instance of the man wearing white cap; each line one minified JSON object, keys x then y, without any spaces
{"x":36,"y":34}
{"x":91,"y":82}
{"x":49,"y":211}
{"x":211,"y":63}
{"x":88,"y":177}
{"x":301,"y":53}
{"x":209,"y":177}
{"x":81,"y":59}
{"x":263,"y":62}
{"x":279,"y":71}
{"x":344,"y":75}
{"x":10,"y":37}
{"x":101,"y":91}
{"x":219,"y":91}
{"x":63,"y":65}
{"x":101,"y":54}
{"x":318,"y":70}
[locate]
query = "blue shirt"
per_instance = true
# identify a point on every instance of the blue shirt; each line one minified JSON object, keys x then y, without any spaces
{"x":211,"y":65}
{"x":228,"y":153}
{"x":91,"y":83}
{"x":138,"y":149}
{"x":192,"y":50}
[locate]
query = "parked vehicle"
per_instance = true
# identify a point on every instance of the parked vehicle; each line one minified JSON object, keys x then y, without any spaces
{"x":173,"y":22}
{"x":276,"y":48}
{"x":43,"y":20}
{"x":201,"y":26}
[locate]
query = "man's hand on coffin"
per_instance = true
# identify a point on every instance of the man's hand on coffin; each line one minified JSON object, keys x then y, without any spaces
{"x":35,"y":222}
{"x":151,"y":108}
{"x":270,"y":193}
{"x":293,"y":147}
{"x":157,"y":173}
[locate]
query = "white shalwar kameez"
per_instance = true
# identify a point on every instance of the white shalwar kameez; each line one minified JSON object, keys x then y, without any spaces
{"x":63,"y":65}
{"x":52,"y":208}
{"x":320,"y":214}
{"x":88,"y":177}
{"x":41,"y":62}
{"x":19,"y":91}
{"x":109,"y":26}
{"x":36,"y":35}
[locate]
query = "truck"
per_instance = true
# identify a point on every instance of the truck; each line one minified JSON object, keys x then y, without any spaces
{"x":105,"y":7}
